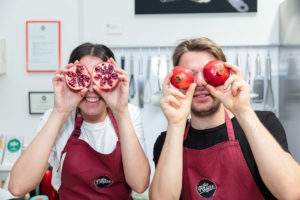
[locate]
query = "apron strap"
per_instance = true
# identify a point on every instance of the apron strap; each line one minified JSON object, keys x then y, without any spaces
{"x":114,"y":122}
{"x":75,"y":133}
{"x":230,"y":130}
{"x":77,"y":125}
{"x":187,"y":128}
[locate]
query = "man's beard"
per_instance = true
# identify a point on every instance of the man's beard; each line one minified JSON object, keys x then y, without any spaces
{"x":212,"y":109}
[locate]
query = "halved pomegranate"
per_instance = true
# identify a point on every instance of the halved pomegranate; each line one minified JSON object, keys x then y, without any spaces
{"x":105,"y":76}
{"x":78,"y":77}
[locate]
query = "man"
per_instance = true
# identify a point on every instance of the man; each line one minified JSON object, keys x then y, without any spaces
{"x":226,"y":150}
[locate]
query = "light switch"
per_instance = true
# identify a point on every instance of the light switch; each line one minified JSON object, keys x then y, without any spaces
{"x":2,"y":57}
{"x":113,"y":29}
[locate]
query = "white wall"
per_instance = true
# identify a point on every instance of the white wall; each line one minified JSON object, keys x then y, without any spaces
{"x":259,"y":28}
{"x":14,"y":86}
{"x":147,"y":30}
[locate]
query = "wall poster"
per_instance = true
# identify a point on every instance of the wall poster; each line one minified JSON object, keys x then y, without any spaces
{"x":194,"y":6}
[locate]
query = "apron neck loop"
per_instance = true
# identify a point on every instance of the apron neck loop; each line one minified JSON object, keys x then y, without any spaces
{"x":78,"y":123}
{"x":230,"y":130}
{"x":187,"y":128}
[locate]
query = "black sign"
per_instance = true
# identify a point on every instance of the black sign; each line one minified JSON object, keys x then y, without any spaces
{"x":194,"y":6}
{"x":206,"y":188}
{"x":103,"y":181}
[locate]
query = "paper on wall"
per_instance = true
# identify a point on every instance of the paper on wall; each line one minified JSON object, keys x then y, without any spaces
{"x":2,"y":147}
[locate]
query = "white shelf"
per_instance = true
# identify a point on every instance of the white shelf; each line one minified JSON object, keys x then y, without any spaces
{"x":5,"y":168}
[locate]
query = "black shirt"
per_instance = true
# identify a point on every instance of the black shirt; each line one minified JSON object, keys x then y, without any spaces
{"x":202,"y":139}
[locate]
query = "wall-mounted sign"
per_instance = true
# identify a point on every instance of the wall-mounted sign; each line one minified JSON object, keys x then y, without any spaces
{"x":43,"y":53}
{"x":194,"y":6}
{"x":13,"y":149}
{"x":39,"y":102}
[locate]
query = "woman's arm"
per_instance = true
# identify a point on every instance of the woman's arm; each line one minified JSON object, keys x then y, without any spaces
{"x":135,"y":163}
{"x":29,"y":169}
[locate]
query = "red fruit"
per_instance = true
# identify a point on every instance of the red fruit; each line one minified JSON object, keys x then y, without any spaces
{"x":216,"y":73}
{"x":105,"y":76}
{"x":182,"y":77}
{"x":78,"y":77}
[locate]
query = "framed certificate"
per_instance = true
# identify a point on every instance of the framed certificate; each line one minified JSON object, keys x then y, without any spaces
{"x":43,"y":49}
{"x":39,"y":102}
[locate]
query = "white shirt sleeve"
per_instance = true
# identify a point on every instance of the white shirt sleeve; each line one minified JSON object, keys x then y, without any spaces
{"x":136,"y":118}
{"x":42,"y":123}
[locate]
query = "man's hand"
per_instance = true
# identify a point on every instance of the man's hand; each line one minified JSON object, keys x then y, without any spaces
{"x":175,"y":105}
{"x":235,"y":93}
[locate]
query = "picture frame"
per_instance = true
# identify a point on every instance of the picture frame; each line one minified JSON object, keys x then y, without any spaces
{"x":194,"y":6}
{"x":40,"y":101}
{"x":43,"y":45}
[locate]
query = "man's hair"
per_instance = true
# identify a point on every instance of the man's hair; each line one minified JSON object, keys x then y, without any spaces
{"x":197,"y":45}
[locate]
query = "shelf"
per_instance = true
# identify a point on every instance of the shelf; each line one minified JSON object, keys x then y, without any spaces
{"x":5,"y":168}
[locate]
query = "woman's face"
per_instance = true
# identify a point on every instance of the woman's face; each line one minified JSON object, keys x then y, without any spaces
{"x":92,"y":105}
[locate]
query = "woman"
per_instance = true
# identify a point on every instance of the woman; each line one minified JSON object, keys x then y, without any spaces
{"x":101,"y":158}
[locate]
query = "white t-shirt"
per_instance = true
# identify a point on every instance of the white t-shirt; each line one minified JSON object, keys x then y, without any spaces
{"x":98,"y":135}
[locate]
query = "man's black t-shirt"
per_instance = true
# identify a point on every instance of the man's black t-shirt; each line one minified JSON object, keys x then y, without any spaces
{"x":202,"y":139}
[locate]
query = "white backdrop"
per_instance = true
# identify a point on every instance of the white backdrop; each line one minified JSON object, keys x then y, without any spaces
{"x":88,"y":21}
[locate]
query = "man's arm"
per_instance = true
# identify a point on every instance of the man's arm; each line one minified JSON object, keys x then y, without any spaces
{"x":167,"y":180}
{"x":279,"y":171}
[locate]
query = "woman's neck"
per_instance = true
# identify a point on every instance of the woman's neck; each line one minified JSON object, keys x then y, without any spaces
{"x":94,"y":118}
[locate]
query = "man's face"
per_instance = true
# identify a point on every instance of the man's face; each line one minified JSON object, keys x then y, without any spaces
{"x":203,"y":104}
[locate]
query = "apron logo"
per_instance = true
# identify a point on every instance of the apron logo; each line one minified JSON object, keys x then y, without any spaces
{"x":103,"y":181}
{"x":206,"y":188}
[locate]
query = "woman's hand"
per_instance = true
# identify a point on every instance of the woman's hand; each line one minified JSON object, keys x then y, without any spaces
{"x":117,"y":99}
{"x":65,"y":100}
{"x":235,"y":93}
{"x":175,"y":105}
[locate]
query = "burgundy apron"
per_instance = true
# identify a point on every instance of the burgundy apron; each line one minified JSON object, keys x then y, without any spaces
{"x":218,"y":172}
{"x":88,"y":174}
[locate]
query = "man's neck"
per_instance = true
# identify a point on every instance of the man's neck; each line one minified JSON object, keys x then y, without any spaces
{"x":210,"y":121}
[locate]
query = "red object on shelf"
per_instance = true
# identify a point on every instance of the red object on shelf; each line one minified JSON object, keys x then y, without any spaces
{"x":46,"y":188}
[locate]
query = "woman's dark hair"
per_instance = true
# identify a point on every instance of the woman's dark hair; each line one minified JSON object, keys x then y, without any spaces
{"x":89,"y":49}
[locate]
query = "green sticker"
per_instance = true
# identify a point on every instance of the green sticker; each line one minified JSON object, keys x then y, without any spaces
{"x":14,"y":145}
